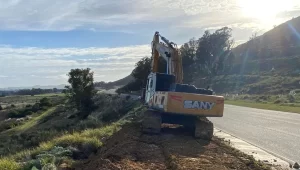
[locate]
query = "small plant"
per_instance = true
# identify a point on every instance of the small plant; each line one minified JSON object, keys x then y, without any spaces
{"x":9,"y":164}
{"x":28,"y":106}
{"x":45,"y":102}
{"x":49,"y":166}
{"x":291,"y":98}
{"x":14,"y":114}
{"x":48,"y":160}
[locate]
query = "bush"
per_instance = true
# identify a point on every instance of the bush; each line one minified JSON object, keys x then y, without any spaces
{"x":1,"y":108}
{"x":263,"y":97}
{"x":28,"y":112}
{"x":45,"y":102}
{"x":12,"y":106}
{"x":8,"y":125}
{"x":19,"y":113}
{"x":44,"y":108}
{"x":90,"y":122}
{"x":28,"y":106}
{"x":9,"y":164}
{"x":14,"y":114}
{"x":35,"y":107}
{"x":48,"y":159}
{"x":278,"y":101}
{"x":291,"y":98}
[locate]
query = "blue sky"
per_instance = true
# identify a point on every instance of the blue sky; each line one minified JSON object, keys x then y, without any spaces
{"x":41,"y":40}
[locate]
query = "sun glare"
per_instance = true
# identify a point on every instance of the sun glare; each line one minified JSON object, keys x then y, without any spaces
{"x":264,"y":10}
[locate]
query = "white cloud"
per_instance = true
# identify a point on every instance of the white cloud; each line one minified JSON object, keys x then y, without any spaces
{"x":92,"y":14}
{"x":42,"y":66}
{"x":180,"y":19}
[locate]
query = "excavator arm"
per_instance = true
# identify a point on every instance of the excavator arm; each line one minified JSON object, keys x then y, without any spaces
{"x":168,"y":52}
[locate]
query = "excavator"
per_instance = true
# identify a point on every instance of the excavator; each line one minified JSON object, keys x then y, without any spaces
{"x":170,"y":101}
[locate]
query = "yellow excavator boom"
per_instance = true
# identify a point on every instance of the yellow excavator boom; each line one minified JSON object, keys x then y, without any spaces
{"x":170,"y":53}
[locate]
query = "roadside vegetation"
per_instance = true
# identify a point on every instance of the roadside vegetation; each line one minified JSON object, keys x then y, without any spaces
{"x":47,"y":129}
{"x":53,"y":131}
{"x":256,"y":68}
{"x":62,"y":139}
{"x":287,"y":103}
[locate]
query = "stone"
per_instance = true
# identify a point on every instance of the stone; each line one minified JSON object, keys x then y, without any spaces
{"x":296,"y":165}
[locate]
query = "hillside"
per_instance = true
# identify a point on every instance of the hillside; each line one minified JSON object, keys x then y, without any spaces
{"x":110,"y":138}
{"x":282,"y":41}
{"x":267,"y":64}
{"x":114,"y":84}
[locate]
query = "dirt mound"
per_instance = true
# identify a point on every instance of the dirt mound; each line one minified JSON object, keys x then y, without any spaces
{"x":175,"y":148}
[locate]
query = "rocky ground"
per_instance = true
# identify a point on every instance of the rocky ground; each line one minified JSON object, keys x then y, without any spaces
{"x":174,"y":148}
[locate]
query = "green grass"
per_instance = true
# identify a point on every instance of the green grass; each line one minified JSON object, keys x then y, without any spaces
{"x":23,"y":100}
{"x":31,"y":123}
{"x":84,"y":140}
{"x":267,"y":106}
{"x":90,"y":137}
{"x":9,"y":164}
{"x":50,"y":94}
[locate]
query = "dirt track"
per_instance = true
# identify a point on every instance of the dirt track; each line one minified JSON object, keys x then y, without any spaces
{"x":175,"y":148}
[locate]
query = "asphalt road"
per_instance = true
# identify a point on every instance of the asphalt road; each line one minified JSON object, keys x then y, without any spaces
{"x":273,"y":131}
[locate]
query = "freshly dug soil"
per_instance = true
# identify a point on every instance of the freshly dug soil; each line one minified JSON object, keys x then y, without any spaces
{"x":174,"y":148}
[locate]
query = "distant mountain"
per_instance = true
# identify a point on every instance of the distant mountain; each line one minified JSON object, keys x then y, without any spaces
{"x":115,"y":84}
{"x":123,"y":81}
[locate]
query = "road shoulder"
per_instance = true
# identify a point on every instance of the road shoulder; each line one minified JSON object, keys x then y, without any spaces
{"x":257,"y":153}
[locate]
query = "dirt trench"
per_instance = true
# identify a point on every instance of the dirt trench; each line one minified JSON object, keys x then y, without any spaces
{"x":174,"y":148}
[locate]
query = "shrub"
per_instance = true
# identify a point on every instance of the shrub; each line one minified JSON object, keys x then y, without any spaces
{"x":278,"y":101}
{"x":19,"y":113}
{"x":1,"y":108}
{"x":90,"y":122}
{"x":45,"y":102}
{"x":9,"y":164}
{"x":28,"y":106}
{"x":28,"y":112}
{"x":263,"y":97}
{"x":48,"y":159}
{"x":12,"y":106}
{"x":291,"y":98}
{"x":35,"y":107}
{"x":14,"y":114}
{"x":8,"y":125}
{"x":44,"y":108}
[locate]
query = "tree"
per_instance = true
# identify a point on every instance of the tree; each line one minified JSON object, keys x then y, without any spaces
{"x":55,"y":90}
{"x":81,"y":90}
{"x":142,"y":70}
{"x":188,"y":54}
{"x":211,"y":51}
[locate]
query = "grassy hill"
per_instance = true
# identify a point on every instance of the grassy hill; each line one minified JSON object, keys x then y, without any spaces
{"x":114,"y":84}
{"x":282,"y":41}
{"x":54,"y":135}
{"x":267,"y":64}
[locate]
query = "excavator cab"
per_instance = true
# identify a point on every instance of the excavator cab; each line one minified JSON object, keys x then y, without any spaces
{"x":158,"y":82}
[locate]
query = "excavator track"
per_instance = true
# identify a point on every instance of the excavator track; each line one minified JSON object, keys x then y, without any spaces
{"x":204,"y":128}
{"x":152,"y":122}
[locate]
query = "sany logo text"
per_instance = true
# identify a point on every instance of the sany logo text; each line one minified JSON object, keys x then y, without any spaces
{"x":189,"y":104}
